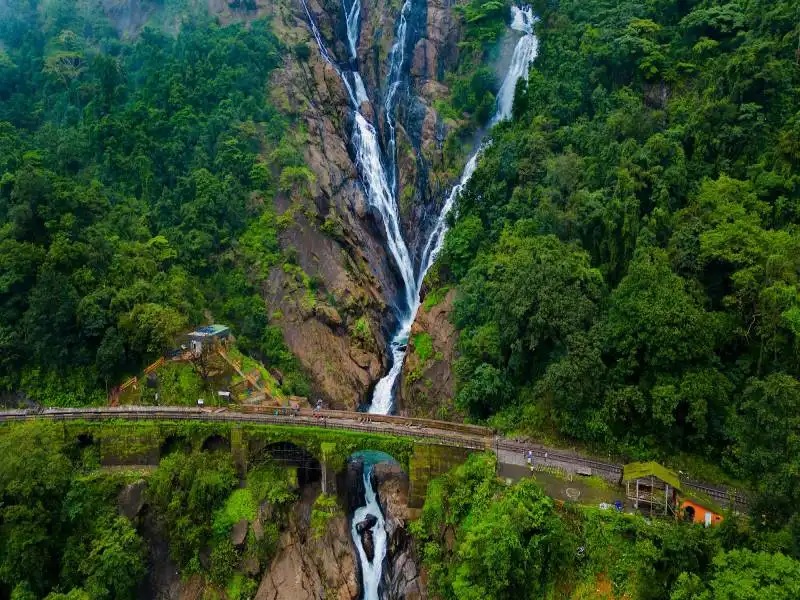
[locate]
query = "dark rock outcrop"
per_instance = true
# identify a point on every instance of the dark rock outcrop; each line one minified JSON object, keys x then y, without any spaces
{"x":368,"y":543}
{"x":131,"y":499}
{"x":307,"y":567}
{"x":239,"y":533}
{"x":367,"y":524}
{"x":402,"y":577}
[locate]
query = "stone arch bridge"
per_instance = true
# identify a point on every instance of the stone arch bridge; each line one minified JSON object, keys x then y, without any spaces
{"x":313,"y":441}
{"x":140,"y":435}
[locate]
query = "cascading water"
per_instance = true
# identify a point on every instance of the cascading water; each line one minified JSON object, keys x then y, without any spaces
{"x":351,"y":18}
{"x":524,"y":53}
{"x":397,"y":57}
{"x":382,"y":195}
{"x":371,"y":570}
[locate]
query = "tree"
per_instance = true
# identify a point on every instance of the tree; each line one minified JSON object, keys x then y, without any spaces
{"x":115,"y":562}
{"x":34,"y":475}
{"x":510,"y":551}
{"x":743,"y":575}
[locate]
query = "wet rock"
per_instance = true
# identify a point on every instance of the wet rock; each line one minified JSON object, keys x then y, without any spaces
{"x":367,"y":524}
{"x":368,"y":543}
{"x":131,"y":499}
{"x":402,"y":577}
{"x":239,"y":533}
{"x":355,"y":485}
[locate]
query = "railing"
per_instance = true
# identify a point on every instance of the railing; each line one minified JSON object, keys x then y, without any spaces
{"x":324,"y":419}
{"x":460,"y":435}
{"x":614,"y":471}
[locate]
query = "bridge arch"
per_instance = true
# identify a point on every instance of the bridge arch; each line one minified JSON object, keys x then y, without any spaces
{"x":176,"y":443}
{"x":289,"y":454}
{"x":216,"y":442}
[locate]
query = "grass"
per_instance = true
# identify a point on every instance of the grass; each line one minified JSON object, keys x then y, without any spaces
{"x":272,"y":484}
{"x":434,"y":297}
{"x":325,"y":508}
{"x":179,"y":384}
{"x":423,"y":346}
{"x":248,"y":365}
{"x":239,"y":505}
{"x":360,"y":331}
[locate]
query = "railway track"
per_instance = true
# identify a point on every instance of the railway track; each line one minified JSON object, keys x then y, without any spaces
{"x":471,"y":438}
{"x":460,"y":435}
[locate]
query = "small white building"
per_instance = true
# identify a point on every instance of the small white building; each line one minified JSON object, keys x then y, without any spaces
{"x":208,"y":334}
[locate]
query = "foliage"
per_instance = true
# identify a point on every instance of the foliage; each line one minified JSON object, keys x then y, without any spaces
{"x":187,"y":490}
{"x":743,"y":575}
{"x":423,"y":346}
{"x":132,"y":205}
{"x":325,"y":508}
{"x":59,"y":529}
{"x":472,"y":85}
{"x":481,"y":538}
{"x":239,"y":505}
{"x":626,"y":253}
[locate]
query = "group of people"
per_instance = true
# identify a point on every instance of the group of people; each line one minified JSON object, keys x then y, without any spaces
{"x":530,"y":458}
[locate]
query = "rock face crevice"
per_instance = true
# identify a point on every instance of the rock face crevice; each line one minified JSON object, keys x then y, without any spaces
{"x":307,"y":566}
{"x":402,"y":576}
{"x":339,"y":329}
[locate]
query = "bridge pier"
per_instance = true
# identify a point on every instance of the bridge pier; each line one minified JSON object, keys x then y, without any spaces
{"x":427,"y":463}
{"x":328,"y":478}
{"x":239,"y":449}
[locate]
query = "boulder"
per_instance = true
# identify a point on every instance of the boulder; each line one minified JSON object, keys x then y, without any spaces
{"x":367,"y":524}
{"x":131,"y":499}
{"x":368,"y":543}
{"x":239,"y":533}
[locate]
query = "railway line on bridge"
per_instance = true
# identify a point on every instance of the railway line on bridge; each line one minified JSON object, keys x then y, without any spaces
{"x":445,"y":433}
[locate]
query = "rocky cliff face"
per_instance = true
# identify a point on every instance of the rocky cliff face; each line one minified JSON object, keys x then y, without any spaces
{"x":338,"y":330}
{"x":308,"y":567}
{"x":428,"y":382}
{"x":402,"y":577}
{"x":335,"y":326}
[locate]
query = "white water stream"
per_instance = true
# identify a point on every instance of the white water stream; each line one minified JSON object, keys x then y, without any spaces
{"x":524,"y":54}
{"x":381,"y":191}
{"x":371,"y":571}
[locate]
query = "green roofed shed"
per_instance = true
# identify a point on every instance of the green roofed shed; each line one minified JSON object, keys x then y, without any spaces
{"x":643,"y":470}
{"x":652,"y":484}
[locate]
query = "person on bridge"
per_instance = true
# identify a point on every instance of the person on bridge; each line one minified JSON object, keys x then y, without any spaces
{"x":530,"y":457}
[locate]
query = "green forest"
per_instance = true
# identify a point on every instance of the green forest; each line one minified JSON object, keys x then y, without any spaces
{"x":484,"y":540}
{"x":627,"y":253}
{"x":64,"y":534}
{"x":136,"y":194}
{"x":625,"y":261}
{"x":71,"y":531}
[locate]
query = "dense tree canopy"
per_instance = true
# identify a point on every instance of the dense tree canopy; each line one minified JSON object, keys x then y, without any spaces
{"x":128,"y":171}
{"x":484,"y":538}
{"x":626,"y":253}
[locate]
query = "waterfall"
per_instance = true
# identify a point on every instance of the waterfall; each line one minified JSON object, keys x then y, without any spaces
{"x":524,"y":53}
{"x":371,"y":571}
{"x":368,"y":154}
{"x":351,"y":18}
{"x":397,"y":56}
{"x":382,"y":195}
